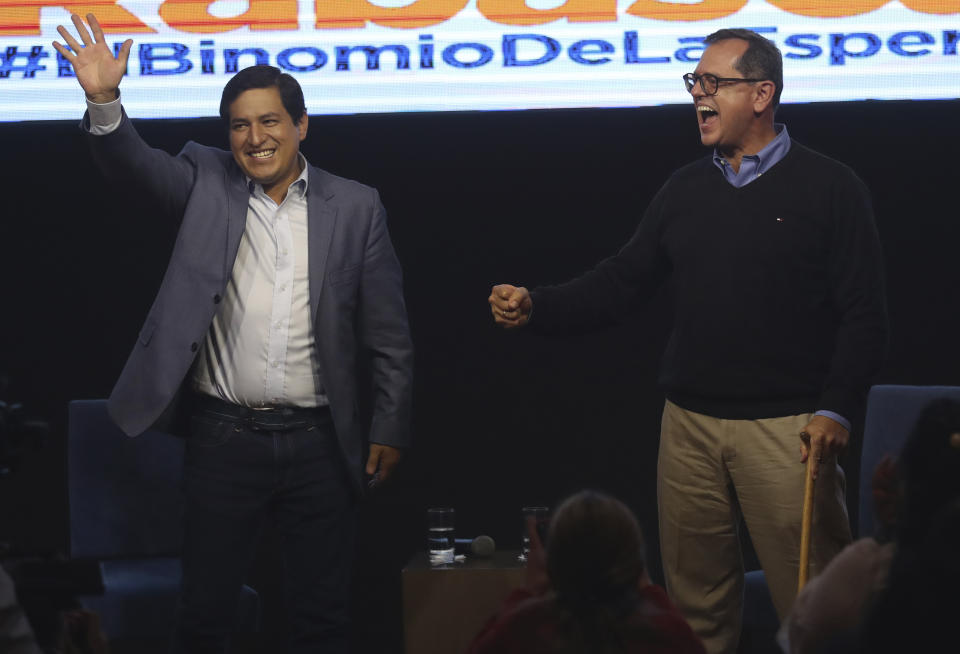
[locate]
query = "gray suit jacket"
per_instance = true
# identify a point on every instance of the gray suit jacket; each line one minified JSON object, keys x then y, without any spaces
{"x":356,"y":291}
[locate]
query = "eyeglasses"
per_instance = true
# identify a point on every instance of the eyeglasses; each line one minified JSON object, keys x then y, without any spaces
{"x":710,"y":83}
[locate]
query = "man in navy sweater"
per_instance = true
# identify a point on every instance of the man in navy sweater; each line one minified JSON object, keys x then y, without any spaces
{"x":779,"y":326}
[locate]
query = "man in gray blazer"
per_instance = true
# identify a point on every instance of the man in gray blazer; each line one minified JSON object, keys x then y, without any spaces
{"x":282,"y":281}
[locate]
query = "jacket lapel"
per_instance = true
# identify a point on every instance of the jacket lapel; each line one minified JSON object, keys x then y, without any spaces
{"x":321,"y":220}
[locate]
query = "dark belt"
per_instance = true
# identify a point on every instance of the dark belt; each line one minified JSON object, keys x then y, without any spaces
{"x":283,"y":418}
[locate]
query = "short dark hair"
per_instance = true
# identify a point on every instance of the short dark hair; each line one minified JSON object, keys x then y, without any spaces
{"x":264,"y":77}
{"x":762,"y":59}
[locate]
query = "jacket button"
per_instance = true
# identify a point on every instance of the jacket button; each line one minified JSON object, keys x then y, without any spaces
{"x":216,"y":298}
{"x":194,"y":347}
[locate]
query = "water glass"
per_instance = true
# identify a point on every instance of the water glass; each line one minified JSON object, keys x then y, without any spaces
{"x":440,"y":535}
{"x":541,"y":518}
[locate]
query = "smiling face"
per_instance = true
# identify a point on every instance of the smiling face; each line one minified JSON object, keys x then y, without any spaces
{"x":739,"y":118}
{"x":265,"y":140}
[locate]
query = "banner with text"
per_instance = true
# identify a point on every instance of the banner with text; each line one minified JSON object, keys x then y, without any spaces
{"x":361,"y":56}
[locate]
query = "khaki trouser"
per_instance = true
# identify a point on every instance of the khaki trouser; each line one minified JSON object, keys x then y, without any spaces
{"x":710,"y":472}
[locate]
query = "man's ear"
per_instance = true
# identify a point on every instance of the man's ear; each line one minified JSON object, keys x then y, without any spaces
{"x":763,"y":96}
{"x":302,"y":125}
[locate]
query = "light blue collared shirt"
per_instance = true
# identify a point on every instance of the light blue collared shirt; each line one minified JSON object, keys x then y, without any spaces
{"x":751,"y":167}
{"x":754,"y":165}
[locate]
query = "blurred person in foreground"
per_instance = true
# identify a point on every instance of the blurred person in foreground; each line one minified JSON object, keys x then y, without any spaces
{"x":875,"y":595}
{"x":917,"y":611}
{"x":44,"y":621}
{"x":589,"y":592}
{"x":16,"y":634}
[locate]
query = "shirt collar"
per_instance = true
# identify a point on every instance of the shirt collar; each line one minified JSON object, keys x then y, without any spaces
{"x":299,"y":185}
{"x":767,"y":157}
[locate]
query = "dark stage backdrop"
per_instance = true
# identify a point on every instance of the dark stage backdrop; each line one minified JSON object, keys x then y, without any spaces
{"x":502,"y":419}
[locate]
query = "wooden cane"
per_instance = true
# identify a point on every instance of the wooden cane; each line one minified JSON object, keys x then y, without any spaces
{"x":806,"y":525}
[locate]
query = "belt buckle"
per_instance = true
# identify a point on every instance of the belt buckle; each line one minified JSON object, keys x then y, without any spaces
{"x":268,"y":421}
{"x":253,"y":423}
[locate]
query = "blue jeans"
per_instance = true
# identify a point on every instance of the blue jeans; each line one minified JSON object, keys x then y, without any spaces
{"x":239,"y":475}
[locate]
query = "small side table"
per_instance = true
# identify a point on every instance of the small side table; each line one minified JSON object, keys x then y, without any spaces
{"x":445,"y":606}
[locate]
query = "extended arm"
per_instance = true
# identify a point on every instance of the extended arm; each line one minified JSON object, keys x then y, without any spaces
{"x":117,"y":148}
{"x":599,"y":297}
{"x":602,"y":296}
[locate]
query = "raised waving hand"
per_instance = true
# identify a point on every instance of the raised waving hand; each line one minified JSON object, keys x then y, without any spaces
{"x":98,"y":70}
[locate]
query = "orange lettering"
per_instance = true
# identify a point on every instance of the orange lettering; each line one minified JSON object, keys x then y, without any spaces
{"x":22,"y":17}
{"x":705,"y":10}
{"x":516,"y":12}
{"x":194,"y":16}
{"x":942,"y":7}
{"x":343,"y":14}
{"x":828,"y":8}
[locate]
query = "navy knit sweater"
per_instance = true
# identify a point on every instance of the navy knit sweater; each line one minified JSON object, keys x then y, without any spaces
{"x":779,"y":300}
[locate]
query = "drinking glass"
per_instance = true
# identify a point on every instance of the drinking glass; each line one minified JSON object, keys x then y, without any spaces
{"x":541,"y":518}
{"x":440,"y":535}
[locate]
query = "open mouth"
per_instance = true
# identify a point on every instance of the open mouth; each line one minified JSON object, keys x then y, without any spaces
{"x":707,"y":115}
{"x":262,"y":154}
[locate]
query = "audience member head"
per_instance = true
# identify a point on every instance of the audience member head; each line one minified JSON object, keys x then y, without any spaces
{"x":917,"y":609}
{"x":929,"y":467}
{"x":595,"y":551}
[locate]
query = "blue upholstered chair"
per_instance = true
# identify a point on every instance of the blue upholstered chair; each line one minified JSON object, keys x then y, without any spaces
{"x":126,"y":507}
{"x":892,"y":411}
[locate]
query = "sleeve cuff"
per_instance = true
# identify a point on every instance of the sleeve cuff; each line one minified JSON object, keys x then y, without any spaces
{"x":834,"y":416}
{"x":104,"y":118}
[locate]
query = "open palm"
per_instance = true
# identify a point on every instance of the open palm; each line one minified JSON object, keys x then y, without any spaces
{"x":98,"y":70}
